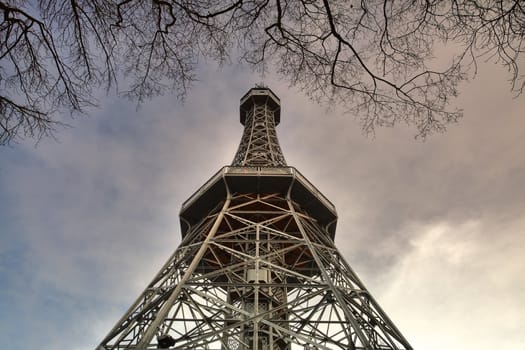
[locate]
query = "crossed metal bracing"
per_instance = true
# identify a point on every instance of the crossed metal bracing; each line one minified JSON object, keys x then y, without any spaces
{"x":259,"y":144}
{"x":256,"y":273}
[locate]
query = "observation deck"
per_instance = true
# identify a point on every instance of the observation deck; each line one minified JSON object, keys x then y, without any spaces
{"x":286,"y":181}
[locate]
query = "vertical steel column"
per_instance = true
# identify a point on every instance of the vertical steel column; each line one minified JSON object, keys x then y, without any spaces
{"x":152,"y":329}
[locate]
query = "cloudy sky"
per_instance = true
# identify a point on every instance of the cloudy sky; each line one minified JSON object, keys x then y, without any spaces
{"x":435,"y":229}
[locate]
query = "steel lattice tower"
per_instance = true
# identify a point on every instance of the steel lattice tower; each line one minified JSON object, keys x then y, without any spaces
{"x":257,"y":267}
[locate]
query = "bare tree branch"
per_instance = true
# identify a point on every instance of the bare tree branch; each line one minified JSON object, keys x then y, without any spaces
{"x":374,"y":58}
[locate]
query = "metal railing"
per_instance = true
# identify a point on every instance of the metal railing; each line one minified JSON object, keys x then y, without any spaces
{"x":260,"y":171}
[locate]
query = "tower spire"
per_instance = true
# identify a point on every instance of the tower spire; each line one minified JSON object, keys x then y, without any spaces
{"x":260,"y":113}
{"x":257,"y":267}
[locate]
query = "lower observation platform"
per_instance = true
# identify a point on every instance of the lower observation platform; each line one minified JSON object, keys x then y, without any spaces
{"x":287,"y":181}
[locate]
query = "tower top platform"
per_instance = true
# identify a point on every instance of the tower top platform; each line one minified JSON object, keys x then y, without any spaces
{"x":260,"y":96}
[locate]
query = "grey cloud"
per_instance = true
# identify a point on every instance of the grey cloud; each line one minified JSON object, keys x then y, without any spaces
{"x":382,"y":186}
{"x":96,"y":214}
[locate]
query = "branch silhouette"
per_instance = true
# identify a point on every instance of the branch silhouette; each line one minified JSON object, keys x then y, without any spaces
{"x":373,"y":58}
